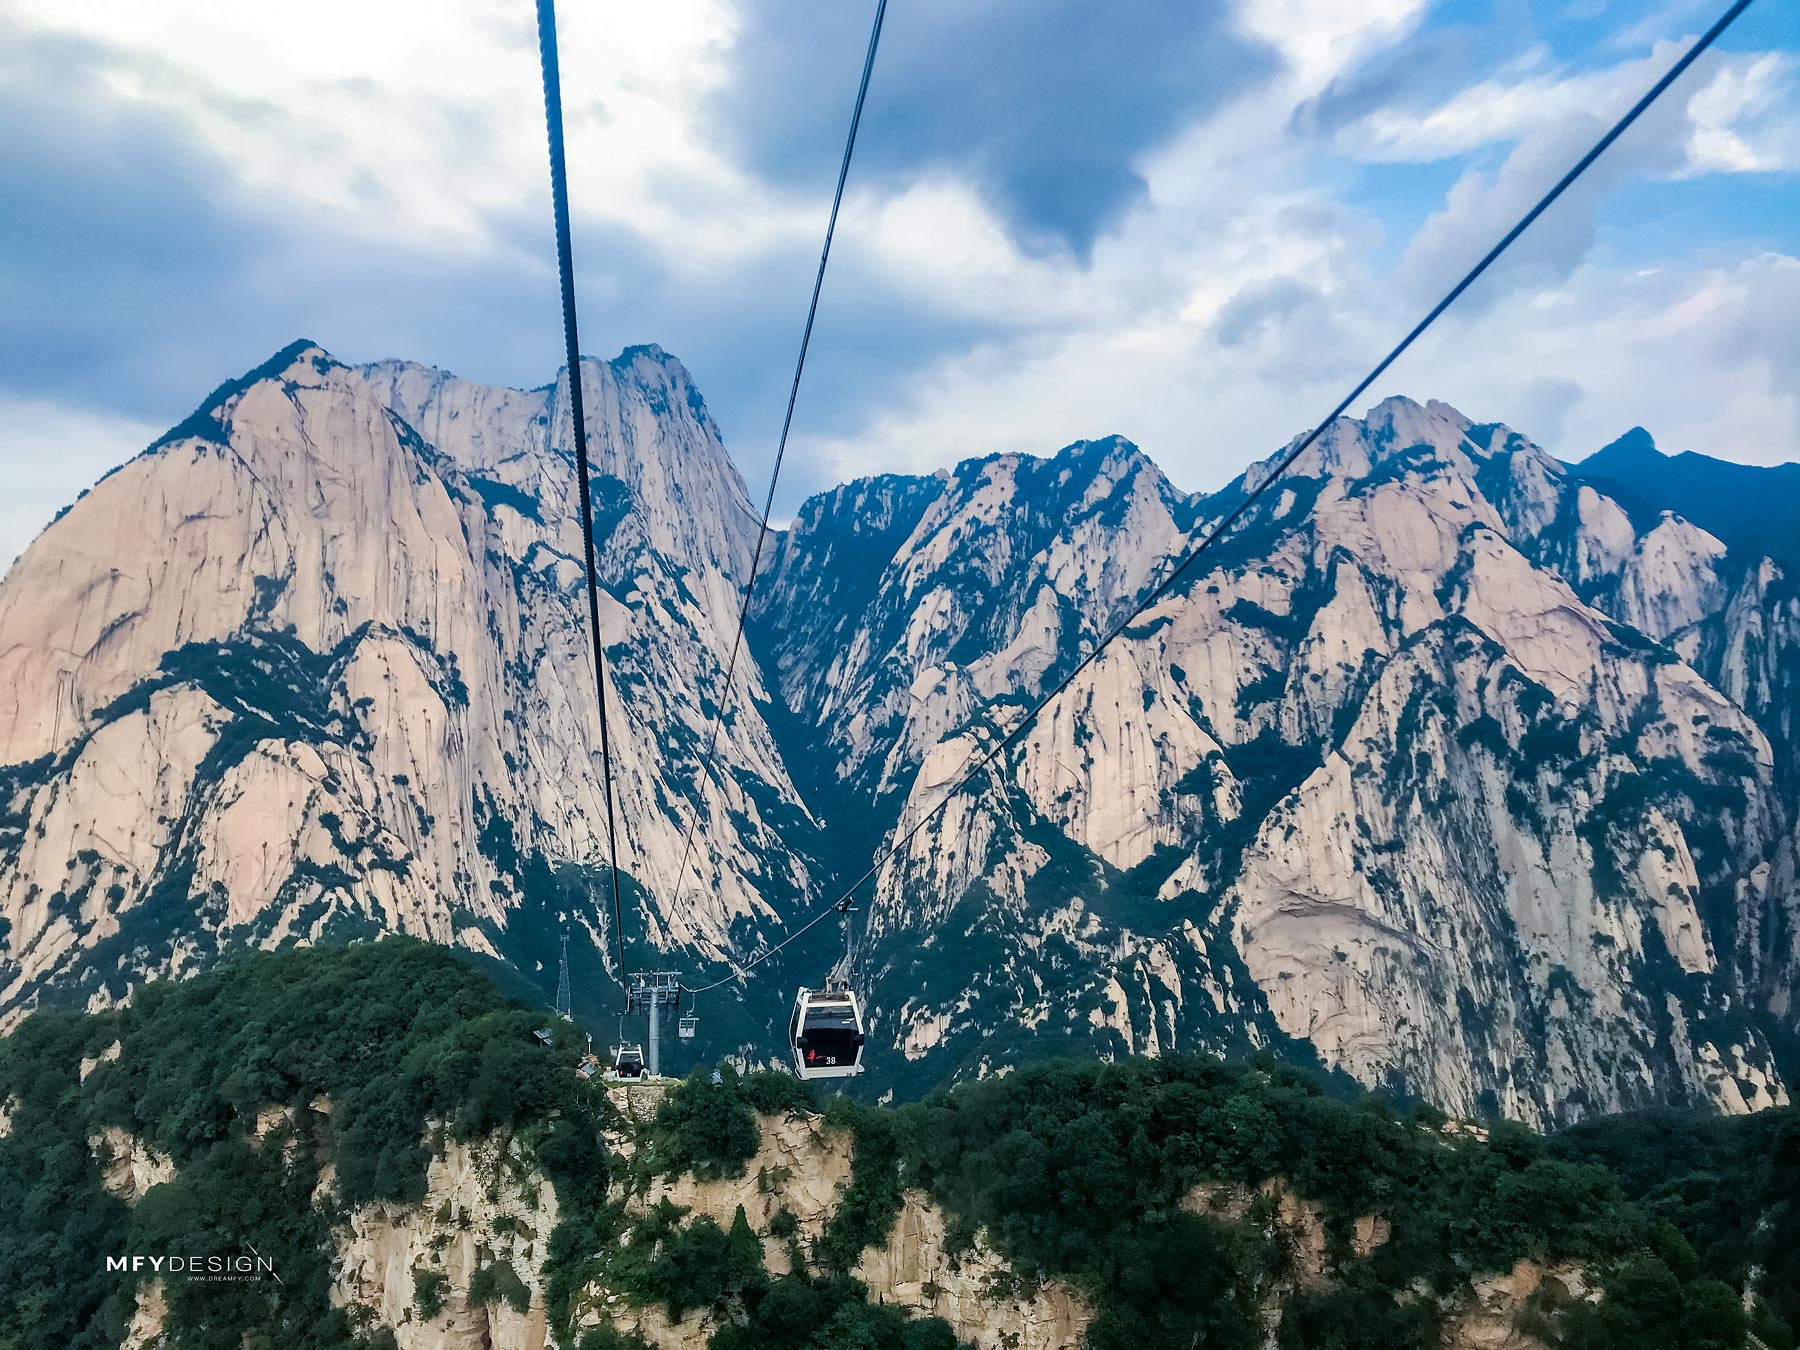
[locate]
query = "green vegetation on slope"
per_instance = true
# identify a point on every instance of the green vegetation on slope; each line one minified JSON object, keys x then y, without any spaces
{"x":710,"y":1128}
{"x":1087,"y":1173}
{"x":1731,"y":1184}
{"x":393,"y":1034}
{"x":1079,"y":1172}
{"x":1160,"y":1190}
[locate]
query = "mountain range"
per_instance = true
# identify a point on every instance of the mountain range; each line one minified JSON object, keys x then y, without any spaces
{"x":1453,"y":767}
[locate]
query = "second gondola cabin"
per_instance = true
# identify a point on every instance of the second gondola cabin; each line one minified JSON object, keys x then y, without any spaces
{"x":827,"y":1033}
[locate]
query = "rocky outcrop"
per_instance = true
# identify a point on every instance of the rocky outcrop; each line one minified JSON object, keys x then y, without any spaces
{"x":129,"y":1167}
{"x":1491,"y":1313}
{"x":486,"y":1208}
{"x":800,"y":1167}
{"x":1288,"y":1218}
{"x":654,"y":1325}
{"x":986,"y":1303}
{"x":326,"y":678}
{"x":148,"y":1315}
{"x":1389,"y":758}
{"x":1487,"y":1318}
{"x":106,"y":1056}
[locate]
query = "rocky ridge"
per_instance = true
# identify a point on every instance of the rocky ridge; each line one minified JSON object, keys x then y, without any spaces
{"x":1447,"y":767}
{"x":1402,"y":772}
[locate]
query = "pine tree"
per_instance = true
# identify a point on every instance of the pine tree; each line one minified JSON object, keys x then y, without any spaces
{"x":744,"y":1256}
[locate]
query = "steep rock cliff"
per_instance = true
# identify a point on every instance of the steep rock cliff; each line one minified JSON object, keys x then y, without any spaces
{"x":295,"y":673}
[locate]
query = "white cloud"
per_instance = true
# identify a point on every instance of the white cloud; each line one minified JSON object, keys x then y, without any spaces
{"x":426,"y":121}
{"x":1707,"y":360}
{"x":1747,"y":118}
{"x":1130,"y":345}
{"x":1238,"y":302}
{"x":1741,"y":111}
{"x":1233,"y":303}
{"x":937,"y":236}
{"x":1726,"y":116}
{"x":1319,"y":38}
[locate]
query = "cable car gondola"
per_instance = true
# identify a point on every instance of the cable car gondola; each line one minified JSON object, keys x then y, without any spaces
{"x":686,"y":1026}
{"x":628,"y":1063}
{"x":827,"y":1032}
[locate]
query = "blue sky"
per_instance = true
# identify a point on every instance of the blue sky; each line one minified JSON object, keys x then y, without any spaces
{"x":1191,"y":223}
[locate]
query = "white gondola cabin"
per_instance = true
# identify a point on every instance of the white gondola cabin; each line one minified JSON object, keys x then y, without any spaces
{"x":687,"y":1026}
{"x":827,"y":1033}
{"x":628,"y":1062}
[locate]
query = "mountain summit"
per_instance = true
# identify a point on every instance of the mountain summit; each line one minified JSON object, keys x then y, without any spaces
{"x":1753,"y":509}
{"x":1452,"y":766}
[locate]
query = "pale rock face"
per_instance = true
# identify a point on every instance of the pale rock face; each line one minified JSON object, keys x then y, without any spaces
{"x":1439,"y":888}
{"x":1488,"y":1321}
{"x":1671,"y":579}
{"x":129,"y":1167}
{"x":1741,"y":1084}
{"x":692,"y":1332}
{"x":1485,"y":1317}
{"x":1104,"y":760}
{"x":1606,"y":541}
{"x":1297,"y":1223}
{"x":803,"y":1168}
{"x":147,"y":1318}
{"x":800,"y":1167}
{"x":478,"y":1208}
{"x":1053,"y":547}
{"x":118,"y":801}
{"x":988,"y":1306}
{"x":106,"y":1056}
{"x":370,"y":650}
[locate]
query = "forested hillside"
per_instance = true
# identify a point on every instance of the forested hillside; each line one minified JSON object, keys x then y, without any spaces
{"x":393,"y":1035}
{"x":292,"y":1104}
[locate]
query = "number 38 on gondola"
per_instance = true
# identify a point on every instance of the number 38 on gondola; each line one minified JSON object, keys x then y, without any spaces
{"x":827,"y":1033}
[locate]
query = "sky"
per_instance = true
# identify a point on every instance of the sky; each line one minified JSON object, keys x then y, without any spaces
{"x":1194,"y":224}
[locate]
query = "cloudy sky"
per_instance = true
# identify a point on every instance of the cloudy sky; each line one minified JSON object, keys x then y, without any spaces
{"x":1192,"y":223}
